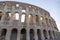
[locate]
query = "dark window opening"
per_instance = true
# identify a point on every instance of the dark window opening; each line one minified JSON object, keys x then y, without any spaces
{"x":45,"y":34}
{"x":32,"y":34}
{"x":0,"y":15}
{"x":39,"y":34}
{"x":23,"y":34}
{"x":13,"y":34}
{"x":3,"y":34}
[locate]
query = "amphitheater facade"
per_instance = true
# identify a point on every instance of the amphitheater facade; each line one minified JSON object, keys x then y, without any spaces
{"x":22,"y":21}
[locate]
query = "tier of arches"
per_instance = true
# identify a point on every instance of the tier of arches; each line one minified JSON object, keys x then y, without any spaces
{"x":23,"y":34}
{"x":23,"y":18}
{"x":16,"y":16}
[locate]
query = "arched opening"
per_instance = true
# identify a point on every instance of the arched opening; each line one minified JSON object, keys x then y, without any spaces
{"x":43,"y":24}
{"x":23,"y":18}
{"x":53,"y":33}
{"x":32,"y":34}
{"x":45,"y":34}
{"x":3,"y":34}
{"x":50,"y":34}
{"x":1,"y":15}
{"x":23,"y":34}
{"x":30,"y":18}
{"x":39,"y":34}
{"x":7,"y":16}
{"x":17,"y":5}
{"x":50,"y":22}
{"x":30,"y":9}
{"x":47,"y":22}
{"x":41,"y":18}
{"x":16,"y":16}
{"x":24,"y":10}
{"x":13,"y":34}
{"x":37,"y":20}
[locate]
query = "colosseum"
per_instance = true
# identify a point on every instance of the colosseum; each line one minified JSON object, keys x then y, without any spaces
{"x":23,"y":21}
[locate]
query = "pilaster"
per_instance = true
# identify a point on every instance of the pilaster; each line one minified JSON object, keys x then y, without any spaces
{"x":18,"y":35}
{"x":36,"y":38}
{"x":27,"y":35}
{"x":8,"y":34}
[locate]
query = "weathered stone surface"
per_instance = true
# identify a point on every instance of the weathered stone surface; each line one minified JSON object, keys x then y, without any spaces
{"x":37,"y":25}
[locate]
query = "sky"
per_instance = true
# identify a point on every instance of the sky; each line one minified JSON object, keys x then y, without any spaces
{"x":52,"y":6}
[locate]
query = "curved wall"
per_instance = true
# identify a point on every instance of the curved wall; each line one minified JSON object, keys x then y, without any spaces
{"x":30,"y":19}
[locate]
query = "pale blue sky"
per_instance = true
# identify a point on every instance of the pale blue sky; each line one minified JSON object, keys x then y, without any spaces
{"x":53,"y":6}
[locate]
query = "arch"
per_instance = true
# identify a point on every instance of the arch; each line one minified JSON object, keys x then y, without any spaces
{"x":23,"y":10}
{"x":17,"y":5}
{"x":47,"y":22}
{"x":37,"y":18}
{"x":45,"y":34}
{"x":30,"y":18}
{"x":39,"y":34}
{"x":1,"y":15}
{"x":43,"y":24}
{"x":3,"y":34}
{"x":41,"y":18}
{"x":13,"y":34}
{"x":50,"y":22}
{"x":23,"y":34}
{"x":32,"y":34}
{"x":53,"y":33}
{"x":23,"y":17}
{"x":16,"y":16}
{"x":50,"y":34}
{"x":7,"y":15}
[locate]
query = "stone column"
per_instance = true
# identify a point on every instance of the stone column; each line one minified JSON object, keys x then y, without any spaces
{"x":20,"y":14}
{"x":3,"y":16}
{"x":18,"y":35}
{"x":0,"y":33}
{"x":42,"y":35}
{"x":27,"y":22}
{"x":47,"y":35}
{"x":8,"y":34}
{"x":27,"y":35}
{"x":27,"y":16}
{"x":34,"y":20}
{"x":52,"y":35}
{"x":36,"y":37}
{"x":19,"y":23}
